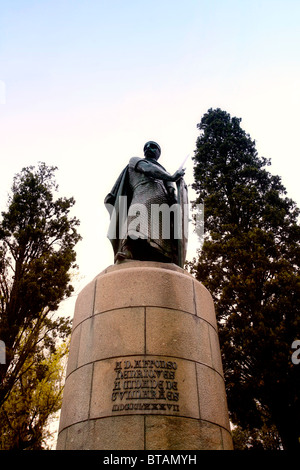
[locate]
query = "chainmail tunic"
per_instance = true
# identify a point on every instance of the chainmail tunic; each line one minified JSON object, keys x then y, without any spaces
{"x":147,"y":191}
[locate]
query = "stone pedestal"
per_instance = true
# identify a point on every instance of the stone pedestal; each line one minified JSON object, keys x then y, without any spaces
{"x":144,"y":370}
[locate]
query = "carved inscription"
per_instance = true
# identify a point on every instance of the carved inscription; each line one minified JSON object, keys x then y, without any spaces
{"x":145,"y":385}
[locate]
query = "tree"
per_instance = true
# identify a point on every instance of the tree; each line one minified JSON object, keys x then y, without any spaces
{"x":250,"y":263}
{"x":265,"y":438}
{"x":34,"y":399}
{"x":37,"y":240}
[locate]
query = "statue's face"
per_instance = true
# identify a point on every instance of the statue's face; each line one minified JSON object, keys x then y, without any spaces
{"x":152,"y":150}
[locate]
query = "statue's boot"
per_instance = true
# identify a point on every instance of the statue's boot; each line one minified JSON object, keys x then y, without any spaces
{"x":122,"y":255}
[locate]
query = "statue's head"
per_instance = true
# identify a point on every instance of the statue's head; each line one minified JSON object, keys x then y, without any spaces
{"x":152,"y":150}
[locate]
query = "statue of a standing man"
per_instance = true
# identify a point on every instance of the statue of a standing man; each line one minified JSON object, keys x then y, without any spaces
{"x":141,"y":198}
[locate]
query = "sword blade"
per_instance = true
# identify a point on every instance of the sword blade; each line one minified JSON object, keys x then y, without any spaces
{"x":182,"y":165}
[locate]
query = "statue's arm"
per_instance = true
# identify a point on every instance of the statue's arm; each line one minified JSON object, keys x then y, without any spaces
{"x":154,"y":171}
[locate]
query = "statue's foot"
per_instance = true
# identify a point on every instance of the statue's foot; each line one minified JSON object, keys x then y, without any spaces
{"x":122,"y":255}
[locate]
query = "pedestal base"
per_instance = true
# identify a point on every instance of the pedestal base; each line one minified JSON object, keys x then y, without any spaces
{"x":144,"y":370}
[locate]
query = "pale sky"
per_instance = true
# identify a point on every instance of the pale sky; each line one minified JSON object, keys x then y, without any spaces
{"x":84,"y":84}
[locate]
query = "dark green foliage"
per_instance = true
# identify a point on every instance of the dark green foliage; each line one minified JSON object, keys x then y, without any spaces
{"x":250,"y":263}
{"x":37,"y":240}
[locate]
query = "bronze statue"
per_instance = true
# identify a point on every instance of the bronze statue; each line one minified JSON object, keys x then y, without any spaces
{"x":147,"y":220}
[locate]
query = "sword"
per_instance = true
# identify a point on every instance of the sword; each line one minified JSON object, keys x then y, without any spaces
{"x":180,"y":243}
{"x":182,"y":164}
